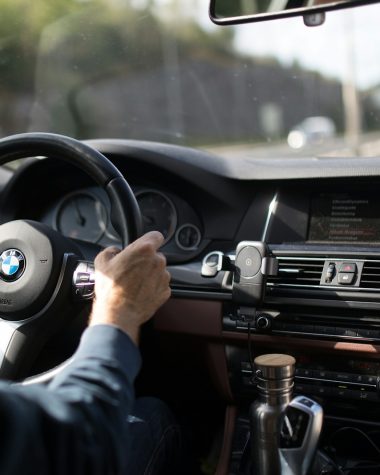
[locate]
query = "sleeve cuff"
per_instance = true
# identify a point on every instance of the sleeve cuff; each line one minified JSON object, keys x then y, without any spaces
{"x":111,"y":343}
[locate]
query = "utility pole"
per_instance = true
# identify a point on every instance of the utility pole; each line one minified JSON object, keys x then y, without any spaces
{"x":350,"y":93}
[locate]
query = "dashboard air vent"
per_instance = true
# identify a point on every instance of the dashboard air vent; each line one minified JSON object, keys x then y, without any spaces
{"x":370,"y":278}
{"x":298,"y":271}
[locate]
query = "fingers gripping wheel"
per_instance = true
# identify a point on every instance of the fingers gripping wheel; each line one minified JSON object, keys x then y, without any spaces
{"x":38,"y":266}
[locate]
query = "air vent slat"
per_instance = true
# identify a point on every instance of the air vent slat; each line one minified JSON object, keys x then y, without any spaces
{"x":370,"y":275}
{"x":298,"y":271}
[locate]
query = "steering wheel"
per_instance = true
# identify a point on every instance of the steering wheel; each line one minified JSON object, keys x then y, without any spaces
{"x":42,"y":273}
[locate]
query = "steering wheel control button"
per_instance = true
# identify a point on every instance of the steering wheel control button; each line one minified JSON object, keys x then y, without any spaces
{"x":83,"y":277}
{"x":84,"y":280}
{"x":12,"y":265}
{"x":346,"y":278}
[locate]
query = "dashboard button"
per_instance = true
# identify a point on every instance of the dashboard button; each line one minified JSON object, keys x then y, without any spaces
{"x":364,"y":333}
{"x":346,"y":278}
{"x":304,"y":372}
{"x":308,"y":373}
{"x":350,"y":332}
{"x":321,"y":374}
{"x":330,"y":273}
{"x":310,"y":388}
{"x":366,"y":396}
{"x":369,"y":379}
{"x":318,"y":329}
{"x":345,"y":377}
{"x":358,"y":378}
{"x":332,"y":375}
{"x":323,"y":391}
{"x":342,"y":392}
{"x":347,"y":267}
{"x":299,"y":388}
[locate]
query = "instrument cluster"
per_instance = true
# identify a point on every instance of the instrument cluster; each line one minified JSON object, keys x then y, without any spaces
{"x":84,"y":214}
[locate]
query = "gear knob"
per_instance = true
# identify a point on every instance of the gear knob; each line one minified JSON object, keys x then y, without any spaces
{"x":299,"y":436}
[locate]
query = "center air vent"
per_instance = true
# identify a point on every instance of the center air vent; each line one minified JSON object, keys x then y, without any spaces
{"x":298,"y":271}
{"x":371,"y":275}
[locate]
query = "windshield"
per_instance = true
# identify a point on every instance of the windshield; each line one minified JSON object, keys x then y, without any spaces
{"x":160,"y":70}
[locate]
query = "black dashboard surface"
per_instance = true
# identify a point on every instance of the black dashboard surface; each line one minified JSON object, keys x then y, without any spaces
{"x":225,"y":200}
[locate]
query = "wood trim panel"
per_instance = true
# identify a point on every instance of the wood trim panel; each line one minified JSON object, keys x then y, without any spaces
{"x":365,"y":349}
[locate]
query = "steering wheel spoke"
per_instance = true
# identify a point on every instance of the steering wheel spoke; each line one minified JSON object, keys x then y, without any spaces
{"x":8,"y":331}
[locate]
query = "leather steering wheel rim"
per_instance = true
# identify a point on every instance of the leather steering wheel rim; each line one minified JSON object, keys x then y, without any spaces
{"x":125,"y":212}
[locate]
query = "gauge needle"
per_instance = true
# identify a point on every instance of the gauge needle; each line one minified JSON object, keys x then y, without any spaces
{"x":81,"y":220}
{"x":148,"y":219}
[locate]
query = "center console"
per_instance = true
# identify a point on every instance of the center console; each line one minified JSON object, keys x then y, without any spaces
{"x":322,"y":303}
{"x":321,"y":306}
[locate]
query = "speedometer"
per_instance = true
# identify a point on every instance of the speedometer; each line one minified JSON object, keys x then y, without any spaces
{"x":158,"y":212}
{"x":82,"y":215}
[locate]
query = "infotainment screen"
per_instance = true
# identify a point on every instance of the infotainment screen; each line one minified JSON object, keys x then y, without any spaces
{"x":345,"y":217}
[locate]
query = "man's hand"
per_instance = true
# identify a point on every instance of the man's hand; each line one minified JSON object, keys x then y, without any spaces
{"x":130,"y":285}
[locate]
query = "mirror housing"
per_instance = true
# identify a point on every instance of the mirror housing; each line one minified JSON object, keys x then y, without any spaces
{"x":233,"y":12}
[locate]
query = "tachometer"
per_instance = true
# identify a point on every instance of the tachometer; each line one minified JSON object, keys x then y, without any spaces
{"x":82,"y":215}
{"x":158,"y":212}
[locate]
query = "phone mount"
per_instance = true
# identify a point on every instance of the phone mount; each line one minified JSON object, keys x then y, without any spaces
{"x":252,"y":266}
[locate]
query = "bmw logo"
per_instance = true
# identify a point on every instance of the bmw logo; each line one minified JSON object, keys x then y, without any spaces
{"x":12,"y":265}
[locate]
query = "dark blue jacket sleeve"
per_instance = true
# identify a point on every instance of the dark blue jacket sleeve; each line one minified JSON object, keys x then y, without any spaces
{"x":77,"y":425}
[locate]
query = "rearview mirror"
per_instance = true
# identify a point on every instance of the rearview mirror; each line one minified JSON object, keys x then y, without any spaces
{"x":229,"y":12}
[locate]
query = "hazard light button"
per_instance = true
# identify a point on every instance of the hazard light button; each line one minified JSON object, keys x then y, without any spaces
{"x":348,"y":267}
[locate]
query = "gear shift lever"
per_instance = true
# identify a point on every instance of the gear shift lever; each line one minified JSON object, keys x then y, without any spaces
{"x":284,"y":432}
{"x":299,"y":436}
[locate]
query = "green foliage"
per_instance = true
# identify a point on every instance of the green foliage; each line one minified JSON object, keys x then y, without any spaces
{"x":100,"y":35}
{"x":21,"y":22}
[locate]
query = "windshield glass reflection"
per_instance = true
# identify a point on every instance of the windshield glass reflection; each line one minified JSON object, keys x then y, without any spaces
{"x":159,"y":70}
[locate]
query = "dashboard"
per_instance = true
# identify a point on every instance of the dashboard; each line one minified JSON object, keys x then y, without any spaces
{"x":319,"y":219}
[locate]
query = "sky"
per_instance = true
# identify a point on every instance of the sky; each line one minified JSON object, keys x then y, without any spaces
{"x":346,"y":46}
